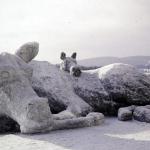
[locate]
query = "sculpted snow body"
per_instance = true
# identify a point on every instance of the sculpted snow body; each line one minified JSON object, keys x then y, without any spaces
{"x":65,"y":91}
{"x":49,"y":81}
{"x":20,"y":103}
{"x":102,"y":90}
{"x":62,"y":89}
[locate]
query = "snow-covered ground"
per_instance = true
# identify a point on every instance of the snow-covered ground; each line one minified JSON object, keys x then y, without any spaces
{"x":112,"y":135}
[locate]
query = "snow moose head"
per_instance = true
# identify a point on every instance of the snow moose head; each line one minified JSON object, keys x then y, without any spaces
{"x":69,"y":64}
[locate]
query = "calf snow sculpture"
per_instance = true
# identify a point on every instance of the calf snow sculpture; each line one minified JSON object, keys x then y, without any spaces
{"x":19,"y":102}
{"x":102,"y":90}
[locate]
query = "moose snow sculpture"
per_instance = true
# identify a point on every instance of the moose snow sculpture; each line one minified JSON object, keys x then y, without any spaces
{"x":20,"y":102}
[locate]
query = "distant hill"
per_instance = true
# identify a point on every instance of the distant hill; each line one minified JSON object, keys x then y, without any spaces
{"x":138,"y":61}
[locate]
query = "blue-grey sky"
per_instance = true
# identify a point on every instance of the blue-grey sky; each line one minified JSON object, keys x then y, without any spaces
{"x":93,"y":28}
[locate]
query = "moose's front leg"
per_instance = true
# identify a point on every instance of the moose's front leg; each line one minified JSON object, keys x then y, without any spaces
{"x":37,"y":117}
{"x":92,"y":119}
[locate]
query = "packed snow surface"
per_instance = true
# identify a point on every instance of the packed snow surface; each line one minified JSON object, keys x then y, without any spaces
{"x":112,"y":135}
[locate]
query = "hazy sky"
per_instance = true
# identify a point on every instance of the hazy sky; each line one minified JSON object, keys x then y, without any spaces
{"x":93,"y":28}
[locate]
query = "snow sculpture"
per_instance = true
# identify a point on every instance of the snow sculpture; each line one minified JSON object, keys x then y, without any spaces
{"x":19,"y":102}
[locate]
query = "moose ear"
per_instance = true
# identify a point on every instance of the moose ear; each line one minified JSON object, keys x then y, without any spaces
{"x":62,"y":56}
{"x":74,"y":55}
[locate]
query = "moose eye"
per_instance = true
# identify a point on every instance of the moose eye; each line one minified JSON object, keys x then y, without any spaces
{"x":7,"y":74}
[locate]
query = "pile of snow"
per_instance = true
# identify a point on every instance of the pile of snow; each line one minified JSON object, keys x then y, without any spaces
{"x":142,"y":113}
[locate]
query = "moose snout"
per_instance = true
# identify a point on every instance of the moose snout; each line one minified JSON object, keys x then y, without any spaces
{"x":38,"y":116}
{"x":75,"y":71}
